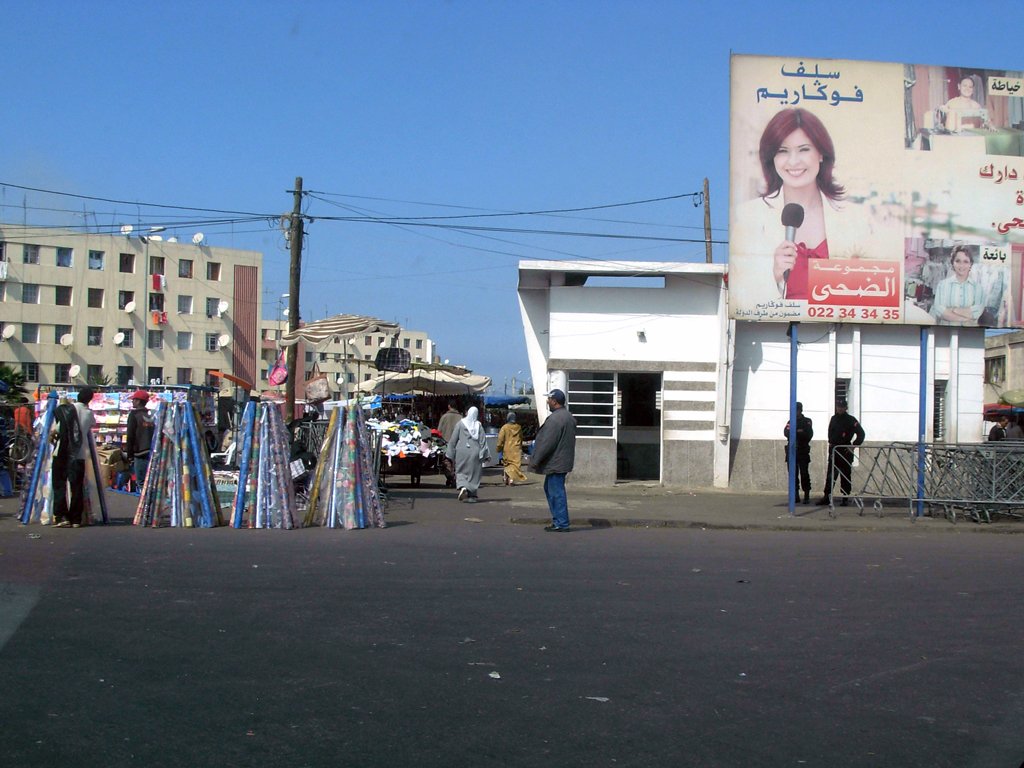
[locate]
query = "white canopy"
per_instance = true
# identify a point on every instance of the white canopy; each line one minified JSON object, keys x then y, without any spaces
{"x":321,"y":331}
{"x":423,"y":381}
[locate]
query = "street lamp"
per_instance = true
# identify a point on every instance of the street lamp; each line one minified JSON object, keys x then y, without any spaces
{"x":144,"y":239}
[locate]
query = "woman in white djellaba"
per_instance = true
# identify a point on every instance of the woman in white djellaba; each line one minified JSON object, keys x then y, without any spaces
{"x":468,"y":450}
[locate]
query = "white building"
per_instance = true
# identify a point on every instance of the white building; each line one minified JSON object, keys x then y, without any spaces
{"x":665,"y":387}
{"x":81,"y":307}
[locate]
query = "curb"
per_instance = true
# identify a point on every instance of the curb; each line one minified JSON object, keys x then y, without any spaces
{"x":823,"y":526}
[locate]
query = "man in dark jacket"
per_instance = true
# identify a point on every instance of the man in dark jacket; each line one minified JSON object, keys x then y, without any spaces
{"x":998,"y":432}
{"x":804,"y":433}
{"x":554,"y":452}
{"x":139,"y":437}
{"x":844,"y":431}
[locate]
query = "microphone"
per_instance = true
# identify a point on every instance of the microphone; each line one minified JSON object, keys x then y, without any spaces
{"x":792,"y":218}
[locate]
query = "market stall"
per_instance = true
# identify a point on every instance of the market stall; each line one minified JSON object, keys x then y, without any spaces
{"x":265,"y":495}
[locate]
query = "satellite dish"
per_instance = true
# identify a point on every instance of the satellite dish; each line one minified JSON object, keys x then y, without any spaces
{"x":156,"y":238}
{"x":129,"y":307}
{"x":285,"y":311}
{"x":74,"y":370}
{"x":8,"y":331}
{"x":222,"y":306}
{"x":172,"y":239}
{"x":119,"y":337}
{"x":126,"y":229}
{"x":67,"y":340}
{"x":224,"y":340}
{"x":197,"y":238}
{"x":340,"y":380}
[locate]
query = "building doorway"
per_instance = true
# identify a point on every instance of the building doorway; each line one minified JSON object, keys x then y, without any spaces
{"x":638,"y":447}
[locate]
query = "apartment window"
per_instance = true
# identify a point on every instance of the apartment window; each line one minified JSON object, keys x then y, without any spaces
{"x":323,"y":357}
{"x":155,"y":339}
{"x":62,"y":373}
{"x":366,"y":377}
{"x":64,"y":257}
{"x":3,"y":291}
{"x":995,"y":370}
{"x":3,"y":251}
{"x":184,"y":305}
{"x":366,"y":357}
{"x":184,"y":340}
{"x":212,"y":307}
{"x":30,"y":333}
{"x":309,"y":357}
{"x":156,"y":374}
{"x":419,"y":343}
{"x":211,"y":342}
{"x":156,"y":265}
{"x":939,"y":412}
{"x":129,"y":336}
{"x":59,"y":331}
{"x":29,"y":293}
{"x":126,"y":263}
{"x":156,"y":302}
{"x":380,"y":341}
{"x":125,"y":373}
{"x":30,"y":254}
{"x":94,"y":374}
{"x":367,"y":341}
{"x":30,"y":371}
{"x":185,"y":267}
{"x":264,"y":375}
{"x":184,"y":376}
{"x":95,"y":298}
{"x":94,"y":336}
{"x":123,"y":297}
{"x":95,"y":259}
{"x":213,"y":270}
{"x":351,"y":378}
{"x":591,"y":398}
{"x":62,"y":295}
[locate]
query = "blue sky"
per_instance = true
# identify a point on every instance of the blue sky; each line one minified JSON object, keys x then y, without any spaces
{"x":420,"y":109}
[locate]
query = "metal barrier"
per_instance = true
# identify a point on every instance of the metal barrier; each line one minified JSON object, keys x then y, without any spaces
{"x":977,"y":479}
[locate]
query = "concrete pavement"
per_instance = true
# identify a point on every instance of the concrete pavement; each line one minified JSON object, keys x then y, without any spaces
{"x":634,"y":504}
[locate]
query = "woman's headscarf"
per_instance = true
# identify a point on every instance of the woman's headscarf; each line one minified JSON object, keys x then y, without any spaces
{"x":471,"y":423}
{"x":511,"y":418}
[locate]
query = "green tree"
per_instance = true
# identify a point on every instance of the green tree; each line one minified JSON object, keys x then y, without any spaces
{"x":12,"y":384}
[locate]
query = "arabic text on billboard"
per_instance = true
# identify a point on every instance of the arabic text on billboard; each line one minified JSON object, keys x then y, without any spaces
{"x":878,"y":193}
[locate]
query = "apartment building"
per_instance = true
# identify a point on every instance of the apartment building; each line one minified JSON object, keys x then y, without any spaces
{"x":345,"y":362}
{"x":126,"y":309}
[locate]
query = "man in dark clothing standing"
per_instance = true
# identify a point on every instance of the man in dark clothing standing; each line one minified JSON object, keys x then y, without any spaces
{"x":998,"y":432}
{"x":139,"y":437}
{"x":446,"y":426}
{"x":554,"y":453}
{"x":844,"y":431}
{"x":804,"y":433}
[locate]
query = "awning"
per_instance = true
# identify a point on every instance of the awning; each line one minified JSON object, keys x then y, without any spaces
{"x":421,"y":381}
{"x":321,"y":331}
{"x":235,"y":379}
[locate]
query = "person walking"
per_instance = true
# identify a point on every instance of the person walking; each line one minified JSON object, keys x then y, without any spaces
{"x":446,"y":426}
{"x":844,"y":432}
{"x":139,"y":436}
{"x":467,"y":450}
{"x":510,"y":446}
{"x":804,"y":433}
{"x":554,"y":453}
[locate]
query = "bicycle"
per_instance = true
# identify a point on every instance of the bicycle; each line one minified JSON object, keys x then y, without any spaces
{"x":15,"y":444}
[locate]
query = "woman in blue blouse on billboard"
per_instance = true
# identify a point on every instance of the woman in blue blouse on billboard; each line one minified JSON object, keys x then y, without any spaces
{"x":959,"y":300}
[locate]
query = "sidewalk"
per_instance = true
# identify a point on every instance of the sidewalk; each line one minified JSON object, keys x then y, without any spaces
{"x":632,"y":505}
{"x":650,"y":505}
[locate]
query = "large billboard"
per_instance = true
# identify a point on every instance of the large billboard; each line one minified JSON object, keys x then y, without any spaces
{"x":876,"y":193}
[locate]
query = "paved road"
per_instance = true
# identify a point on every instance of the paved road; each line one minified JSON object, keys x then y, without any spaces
{"x":443,"y":642}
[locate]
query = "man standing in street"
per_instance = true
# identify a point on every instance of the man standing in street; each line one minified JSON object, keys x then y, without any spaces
{"x":998,"y":432}
{"x":72,"y":425}
{"x":554,"y":452}
{"x":140,"y":434}
{"x":844,"y":432}
{"x":804,"y":433}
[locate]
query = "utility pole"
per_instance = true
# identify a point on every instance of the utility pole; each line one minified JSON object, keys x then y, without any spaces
{"x":707,"y":222}
{"x":295,"y":231}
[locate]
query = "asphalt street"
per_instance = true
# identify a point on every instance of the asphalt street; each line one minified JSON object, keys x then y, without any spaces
{"x":457,"y":638}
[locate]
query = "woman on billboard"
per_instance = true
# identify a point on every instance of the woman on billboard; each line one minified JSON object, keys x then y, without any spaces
{"x":797,"y":159}
{"x":959,"y":299}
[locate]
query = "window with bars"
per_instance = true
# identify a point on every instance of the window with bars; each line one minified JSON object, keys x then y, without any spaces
{"x":29,"y":293}
{"x":129,"y":336}
{"x":842,"y":389}
{"x":184,"y":340}
{"x":590,"y":397}
{"x":185,"y":267}
{"x":123,"y":297}
{"x":939,"y":412}
{"x":184,"y":305}
{"x":155,"y":339}
{"x":30,"y":371}
{"x":62,"y":373}
{"x":995,"y":370}
{"x":60,"y":330}
{"x":30,"y":254}
{"x":94,"y":336}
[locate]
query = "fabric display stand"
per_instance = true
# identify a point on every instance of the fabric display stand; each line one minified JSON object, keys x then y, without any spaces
{"x":265,"y":497}
{"x":344,"y":492}
{"x":179,"y":487}
{"x":37,"y":495}
{"x":406,"y":438}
